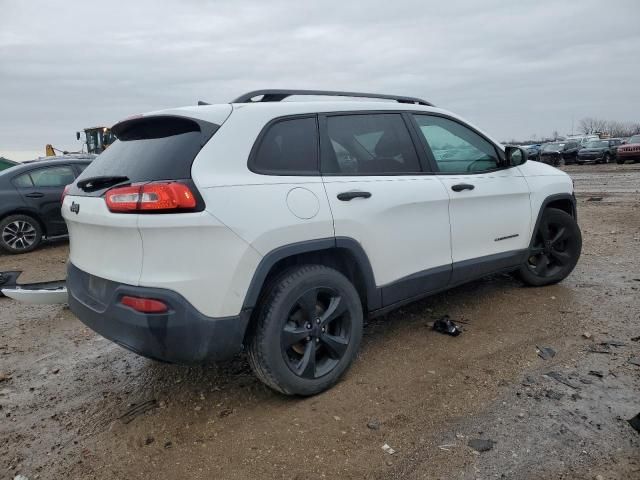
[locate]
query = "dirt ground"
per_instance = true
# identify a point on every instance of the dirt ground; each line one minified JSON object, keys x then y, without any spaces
{"x":73,"y":405}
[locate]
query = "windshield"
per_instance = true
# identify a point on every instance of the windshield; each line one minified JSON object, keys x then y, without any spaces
{"x":552,"y":147}
{"x":634,"y":139}
{"x":596,"y":144}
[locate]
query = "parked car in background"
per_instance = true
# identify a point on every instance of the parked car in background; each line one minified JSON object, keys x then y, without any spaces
{"x":6,"y":163}
{"x":30,"y":201}
{"x":559,"y":153}
{"x":582,"y":139}
{"x":629,"y":151}
{"x":598,"y":151}
{"x":533,"y":151}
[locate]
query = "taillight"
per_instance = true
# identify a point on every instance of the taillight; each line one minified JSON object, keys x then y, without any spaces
{"x":146,"y":197}
{"x":64,"y":192}
{"x":144,"y":305}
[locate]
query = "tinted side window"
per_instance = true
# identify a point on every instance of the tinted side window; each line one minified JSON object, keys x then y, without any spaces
{"x":289,"y":147}
{"x":23,"y":181}
{"x":456,"y":148}
{"x":371,"y":144}
{"x":53,"y":177}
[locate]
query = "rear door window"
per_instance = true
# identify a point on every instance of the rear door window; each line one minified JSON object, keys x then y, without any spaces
{"x":53,"y":177}
{"x":288,"y":147}
{"x":48,"y":177}
{"x":369,"y":144}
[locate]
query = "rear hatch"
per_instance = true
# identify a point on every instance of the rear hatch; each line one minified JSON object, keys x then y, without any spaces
{"x":152,"y":150}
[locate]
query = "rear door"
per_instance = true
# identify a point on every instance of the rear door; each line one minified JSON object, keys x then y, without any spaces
{"x":41,"y":189}
{"x":490,"y":210}
{"x":381,"y":197}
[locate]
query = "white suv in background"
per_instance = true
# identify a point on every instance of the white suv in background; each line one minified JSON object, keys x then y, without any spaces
{"x":277,"y":226}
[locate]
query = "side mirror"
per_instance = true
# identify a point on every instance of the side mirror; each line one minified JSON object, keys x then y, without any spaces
{"x":515,"y":155}
{"x":77,"y":135}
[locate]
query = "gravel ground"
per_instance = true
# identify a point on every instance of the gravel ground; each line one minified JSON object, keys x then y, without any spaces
{"x":73,"y":405}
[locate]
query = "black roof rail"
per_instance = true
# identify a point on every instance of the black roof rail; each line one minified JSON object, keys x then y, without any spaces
{"x":279,"y":95}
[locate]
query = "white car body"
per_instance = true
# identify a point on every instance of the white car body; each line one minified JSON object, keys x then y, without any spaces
{"x":215,"y":259}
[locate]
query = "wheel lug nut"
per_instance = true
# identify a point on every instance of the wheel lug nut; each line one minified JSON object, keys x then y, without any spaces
{"x":322,"y":329}
{"x":308,"y":325}
{"x":308,"y":339}
{"x":317,"y":340}
{"x":318,"y":321}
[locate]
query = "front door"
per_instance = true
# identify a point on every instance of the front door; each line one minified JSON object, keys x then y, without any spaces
{"x":381,"y":197}
{"x":490,"y":212}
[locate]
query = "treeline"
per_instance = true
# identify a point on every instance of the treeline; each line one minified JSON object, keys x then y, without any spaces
{"x":612,"y":128}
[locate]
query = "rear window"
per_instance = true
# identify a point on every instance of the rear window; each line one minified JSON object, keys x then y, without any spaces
{"x":152,"y":148}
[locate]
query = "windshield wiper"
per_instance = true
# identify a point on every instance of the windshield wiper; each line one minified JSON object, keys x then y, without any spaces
{"x":96,"y":183}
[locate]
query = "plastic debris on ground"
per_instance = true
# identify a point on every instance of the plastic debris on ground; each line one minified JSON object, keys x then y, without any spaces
{"x":446,"y":325}
{"x":545,"y":352}
{"x":388,"y":449}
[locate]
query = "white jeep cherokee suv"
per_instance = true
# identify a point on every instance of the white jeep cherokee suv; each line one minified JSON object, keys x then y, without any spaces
{"x":277,"y":226}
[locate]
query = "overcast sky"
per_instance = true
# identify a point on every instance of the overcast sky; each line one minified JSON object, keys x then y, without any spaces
{"x":513,"y":68}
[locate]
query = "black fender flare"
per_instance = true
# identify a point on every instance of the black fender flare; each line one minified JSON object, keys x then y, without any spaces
{"x":374,"y":298}
{"x":553,"y":198}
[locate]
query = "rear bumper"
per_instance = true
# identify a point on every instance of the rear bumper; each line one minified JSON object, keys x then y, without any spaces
{"x":182,"y":335}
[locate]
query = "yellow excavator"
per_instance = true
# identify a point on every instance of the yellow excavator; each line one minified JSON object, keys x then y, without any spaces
{"x":97,"y":139}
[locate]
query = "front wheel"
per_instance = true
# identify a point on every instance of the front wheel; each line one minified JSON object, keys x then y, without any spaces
{"x":307,"y":332}
{"x":555,"y":249}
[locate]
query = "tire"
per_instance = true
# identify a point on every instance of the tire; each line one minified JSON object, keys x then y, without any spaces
{"x":554,"y":251}
{"x":307,"y":332}
{"x":20,"y":234}
{"x":605,"y":158}
{"x":619,"y":161}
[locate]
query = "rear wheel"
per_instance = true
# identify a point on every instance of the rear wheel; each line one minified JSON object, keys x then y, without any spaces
{"x":605,"y":158}
{"x":619,"y":161}
{"x":307,"y":332}
{"x":555,"y":249}
{"x":19,"y":234}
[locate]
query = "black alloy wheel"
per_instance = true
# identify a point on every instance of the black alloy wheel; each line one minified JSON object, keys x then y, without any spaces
{"x":307,"y":330}
{"x":555,"y":249}
{"x":316,"y":334}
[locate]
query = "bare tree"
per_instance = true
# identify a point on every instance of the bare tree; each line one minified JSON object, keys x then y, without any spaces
{"x":590,"y":125}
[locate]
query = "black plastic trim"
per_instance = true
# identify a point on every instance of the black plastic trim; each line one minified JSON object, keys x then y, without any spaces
{"x":182,"y":335}
{"x":374,"y":298}
{"x":277,"y":95}
{"x":408,"y":290}
{"x":466,"y":270}
{"x":547,"y":201}
{"x":420,"y":283}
